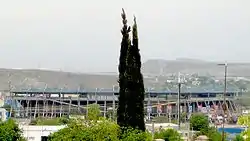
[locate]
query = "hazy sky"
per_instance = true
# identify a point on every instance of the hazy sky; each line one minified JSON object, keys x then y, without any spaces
{"x":84,"y":36}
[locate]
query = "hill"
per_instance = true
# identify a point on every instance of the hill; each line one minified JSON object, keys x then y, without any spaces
{"x":53,"y":79}
{"x":156,"y":73}
{"x":190,"y":66}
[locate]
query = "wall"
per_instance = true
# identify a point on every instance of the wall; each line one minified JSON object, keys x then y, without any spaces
{"x":34,"y":133}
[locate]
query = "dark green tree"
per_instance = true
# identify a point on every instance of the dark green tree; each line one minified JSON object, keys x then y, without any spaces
{"x":130,"y":112}
{"x":122,"y":102}
{"x":135,"y":86}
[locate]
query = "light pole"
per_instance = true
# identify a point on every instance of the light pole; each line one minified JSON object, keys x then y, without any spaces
{"x":224,"y":99}
{"x":179,"y":93}
{"x":178,"y":101}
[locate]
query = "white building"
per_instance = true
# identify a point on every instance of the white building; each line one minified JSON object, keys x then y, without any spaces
{"x":35,"y":133}
{"x":3,"y":115}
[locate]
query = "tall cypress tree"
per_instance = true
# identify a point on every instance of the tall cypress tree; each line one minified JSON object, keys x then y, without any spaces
{"x":141,"y":89}
{"x":122,"y":102}
{"x":130,"y":112}
{"x":135,"y":85}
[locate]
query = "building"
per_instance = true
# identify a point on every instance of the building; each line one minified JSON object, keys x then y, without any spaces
{"x":38,"y":133}
{"x":3,"y":114}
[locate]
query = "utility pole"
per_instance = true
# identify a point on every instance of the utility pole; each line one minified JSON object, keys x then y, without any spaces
{"x":178,"y":102}
{"x":10,"y":94}
{"x":148,"y":105}
{"x":224,"y":100}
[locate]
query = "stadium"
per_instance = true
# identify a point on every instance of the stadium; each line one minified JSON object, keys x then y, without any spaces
{"x":52,"y":102}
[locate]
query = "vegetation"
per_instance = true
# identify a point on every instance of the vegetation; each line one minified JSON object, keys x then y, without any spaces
{"x":134,"y":93}
{"x":122,"y":100}
{"x":131,"y":96}
{"x":245,"y":120}
{"x":135,"y":135}
{"x":104,"y":130}
{"x":87,"y":130}
{"x":50,"y":121}
{"x":136,"y":90}
{"x":9,"y":131}
{"x":212,"y":133}
{"x":94,"y":112}
{"x":239,"y":138}
{"x":98,"y":129}
{"x":199,"y":122}
{"x":168,"y":135}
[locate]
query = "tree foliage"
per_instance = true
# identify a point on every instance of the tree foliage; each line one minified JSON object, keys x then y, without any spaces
{"x":136,"y":85}
{"x":122,"y":99}
{"x":130,"y":111}
{"x":94,"y":112}
{"x":50,"y":121}
{"x":212,"y":133}
{"x":9,"y":131}
{"x":168,"y":135}
{"x":102,"y":130}
{"x":199,"y":122}
{"x":135,"y":135}
{"x":87,"y":130}
{"x":238,"y":138}
{"x":245,"y":120}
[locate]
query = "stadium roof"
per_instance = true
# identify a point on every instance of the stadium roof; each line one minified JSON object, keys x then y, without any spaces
{"x":207,"y":89}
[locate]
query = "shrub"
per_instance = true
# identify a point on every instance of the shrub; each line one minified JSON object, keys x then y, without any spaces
{"x":102,"y":130}
{"x":199,"y":122}
{"x":168,"y":135}
{"x":87,"y":130}
{"x":135,"y":135}
{"x":9,"y":131}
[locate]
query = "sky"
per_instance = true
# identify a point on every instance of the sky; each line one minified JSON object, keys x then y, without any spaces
{"x":84,"y":36}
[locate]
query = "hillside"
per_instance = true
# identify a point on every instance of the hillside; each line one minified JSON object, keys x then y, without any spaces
{"x":164,"y":67}
{"x":156,"y":73}
{"x":53,"y":79}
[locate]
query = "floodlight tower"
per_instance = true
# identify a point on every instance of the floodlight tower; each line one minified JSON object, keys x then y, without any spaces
{"x":179,"y":97}
{"x":224,"y":99}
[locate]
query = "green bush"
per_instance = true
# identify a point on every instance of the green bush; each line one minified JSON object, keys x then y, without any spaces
{"x":87,"y":130}
{"x":102,"y":130}
{"x":94,"y":112}
{"x":238,"y":138}
{"x":212,"y":133}
{"x":9,"y":131}
{"x":199,"y":122}
{"x":136,"y":135}
{"x":168,"y":135}
{"x":50,"y":121}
